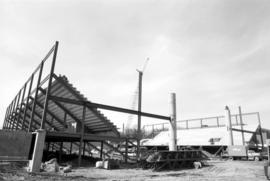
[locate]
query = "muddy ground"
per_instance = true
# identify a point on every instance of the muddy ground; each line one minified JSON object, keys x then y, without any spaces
{"x":216,"y":171}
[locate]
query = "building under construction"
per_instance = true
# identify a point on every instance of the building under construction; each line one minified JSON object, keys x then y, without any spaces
{"x":212,"y":134}
{"x":50,"y":114}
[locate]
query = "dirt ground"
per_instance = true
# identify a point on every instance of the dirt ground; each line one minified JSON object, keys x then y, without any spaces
{"x":216,"y":171}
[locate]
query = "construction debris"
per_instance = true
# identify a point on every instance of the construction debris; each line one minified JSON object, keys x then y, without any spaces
{"x":108,"y":164}
{"x":50,"y":166}
{"x":66,"y":169}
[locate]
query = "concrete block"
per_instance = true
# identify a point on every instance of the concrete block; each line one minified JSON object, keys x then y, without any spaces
{"x":35,"y":163}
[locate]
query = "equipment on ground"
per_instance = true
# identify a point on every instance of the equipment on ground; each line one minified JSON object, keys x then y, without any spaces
{"x":160,"y":160}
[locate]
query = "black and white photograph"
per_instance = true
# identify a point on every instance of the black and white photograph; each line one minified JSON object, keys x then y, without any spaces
{"x":134,"y":90}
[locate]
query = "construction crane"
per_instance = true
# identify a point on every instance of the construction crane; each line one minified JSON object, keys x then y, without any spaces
{"x":135,"y":99}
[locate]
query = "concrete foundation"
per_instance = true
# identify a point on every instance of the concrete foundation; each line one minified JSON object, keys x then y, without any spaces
{"x":35,"y":163}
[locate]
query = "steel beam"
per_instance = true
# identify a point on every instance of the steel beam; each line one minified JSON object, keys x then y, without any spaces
{"x":245,"y":131}
{"x":21,"y":104}
{"x":107,"y":107}
{"x":102,"y":118}
{"x":50,"y":113}
{"x":27,"y":99}
{"x":63,"y":108}
{"x":36,"y":95}
{"x":82,"y":135}
{"x":49,"y":86}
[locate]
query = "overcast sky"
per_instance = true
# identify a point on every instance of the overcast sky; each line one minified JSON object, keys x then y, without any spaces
{"x":211,"y":53}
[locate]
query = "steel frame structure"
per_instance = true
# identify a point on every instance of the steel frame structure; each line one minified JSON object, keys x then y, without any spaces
{"x":14,"y":120}
{"x":53,"y":102}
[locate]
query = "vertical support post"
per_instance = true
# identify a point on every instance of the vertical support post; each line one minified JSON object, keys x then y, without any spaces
{"x":70,"y":149}
{"x":172,"y":128}
{"x":201,"y":123}
{"x":27,"y":100}
{"x":101,"y":149}
{"x":5,"y":121}
{"x":217,"y":121}
{"x":17,"y":107}
{"x":60,"y":152}
{"x":49,"y":86}
{"x":241,"y":124}
{"x":126,"y":151}
{"x":35,"y":98}
{"x":8,"y":117}
{"x":82,"y":134}
{"x":260,"y":129}
{"x":139,"y":113}
{"x":84,"y":148}
{"x":236,"y":119}
{"x":65,"y":121}
{"x":48,"y":146}
{"x":186,"y":124}
{"x":21,"y":104}
{"x":229,"y":124}
{"x":13,"y":113}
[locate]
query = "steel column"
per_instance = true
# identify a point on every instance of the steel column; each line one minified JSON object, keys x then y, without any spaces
{"x":241,"y":125}
{"x":139,"y":113}
{"x":5,"y":120}
{"x":21,"y":104}
{"x":27,"y":100}
{"x":36,"y":95}
{"x":260,"y":129}
{"x":49,"y":86}
{"x":81,"y":139}
{"x":17,"y":105}
{"x":70,"y":149}
{"x":13,"y":112}
{"x":8,"y":117}
{"x":101,"y":150}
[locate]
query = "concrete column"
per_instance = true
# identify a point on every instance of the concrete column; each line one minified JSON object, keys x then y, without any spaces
{"x":35,"y":163}
{"x":229,"y":124}
{"x":172,"y":125}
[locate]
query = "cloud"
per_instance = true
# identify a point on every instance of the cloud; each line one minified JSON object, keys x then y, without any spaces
{"x":210,"y":53}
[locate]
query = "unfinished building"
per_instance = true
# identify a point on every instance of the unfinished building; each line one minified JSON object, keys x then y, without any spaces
{"x":50,"y":114}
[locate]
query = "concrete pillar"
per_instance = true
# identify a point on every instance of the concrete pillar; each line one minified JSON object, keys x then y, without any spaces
{"x":172,"y":125}
{"x":35,"y":163}
{"x":229,"y":124}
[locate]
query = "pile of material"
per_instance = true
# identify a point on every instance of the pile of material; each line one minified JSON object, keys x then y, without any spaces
{"x":52,"y":166}
{"x":108,"y":164}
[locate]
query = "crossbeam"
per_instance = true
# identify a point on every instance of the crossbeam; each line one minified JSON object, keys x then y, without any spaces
{"x":107,"y":107}
{"x":245,"y":131}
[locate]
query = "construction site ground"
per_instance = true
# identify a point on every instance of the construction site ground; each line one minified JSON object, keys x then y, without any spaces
{"x":217,"y":170}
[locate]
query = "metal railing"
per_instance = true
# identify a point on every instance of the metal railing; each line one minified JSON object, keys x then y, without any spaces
{"x":198,"y":123}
